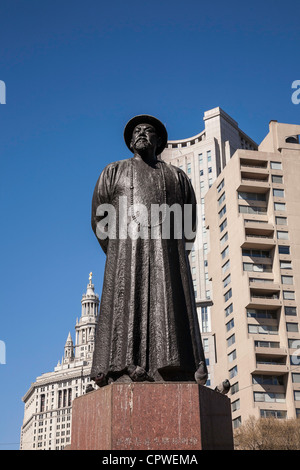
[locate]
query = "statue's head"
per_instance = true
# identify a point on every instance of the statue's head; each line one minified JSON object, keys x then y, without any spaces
{"x":144,"y":131}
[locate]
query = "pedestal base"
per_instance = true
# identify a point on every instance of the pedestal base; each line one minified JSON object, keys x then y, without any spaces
{"x":152,"y":416}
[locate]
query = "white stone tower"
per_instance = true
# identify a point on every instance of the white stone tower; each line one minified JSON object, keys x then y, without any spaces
{"x":86,"y":326}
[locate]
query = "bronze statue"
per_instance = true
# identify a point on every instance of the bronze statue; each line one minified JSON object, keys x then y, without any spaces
{"x":148,"y":328}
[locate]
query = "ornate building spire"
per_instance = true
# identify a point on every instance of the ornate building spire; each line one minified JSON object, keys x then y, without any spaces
{"x":69,"y":350}
{"x":85,"y":327}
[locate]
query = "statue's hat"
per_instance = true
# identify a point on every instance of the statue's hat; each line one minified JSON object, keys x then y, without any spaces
{"x":146,"y":119}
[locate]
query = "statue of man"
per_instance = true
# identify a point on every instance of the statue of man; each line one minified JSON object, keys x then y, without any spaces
{"x":148,"y":327}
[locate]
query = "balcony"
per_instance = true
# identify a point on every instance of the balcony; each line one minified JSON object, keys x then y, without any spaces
{"x":254,"y":176}
{"x":254,"y":166}
{"x":259,"y":241}
{"x":270,"y":360}
{"x":261,"y":299}
{"x":264,"y":287}
{"x":274,"y":365}
{"x":258,"y":226}
{"x":248,"y":185}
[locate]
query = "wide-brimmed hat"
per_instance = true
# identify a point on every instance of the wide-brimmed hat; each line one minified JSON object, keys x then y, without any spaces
{"x":146,"y":119}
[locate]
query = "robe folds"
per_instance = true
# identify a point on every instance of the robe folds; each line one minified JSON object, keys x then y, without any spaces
{"x":148,"y":314}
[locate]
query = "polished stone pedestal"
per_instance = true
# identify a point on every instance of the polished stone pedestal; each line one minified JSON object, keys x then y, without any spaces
{"x":152,"y":416}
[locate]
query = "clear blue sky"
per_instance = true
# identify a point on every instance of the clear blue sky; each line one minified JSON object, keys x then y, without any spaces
{"x":75,"y":72}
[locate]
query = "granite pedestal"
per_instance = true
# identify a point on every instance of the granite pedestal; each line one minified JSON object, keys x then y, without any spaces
{"x":152,"y":416}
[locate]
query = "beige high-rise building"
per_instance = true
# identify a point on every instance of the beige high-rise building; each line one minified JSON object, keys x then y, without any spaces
{"x":203,"y":157}
{"x":253,"y":219}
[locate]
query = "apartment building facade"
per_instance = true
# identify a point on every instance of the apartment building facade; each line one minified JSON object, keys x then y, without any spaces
{"x":203,"y":157}
{"x":253,"y":219}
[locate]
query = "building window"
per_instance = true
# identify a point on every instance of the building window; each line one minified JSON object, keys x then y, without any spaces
{"x":290,"y":311}
{"x":224,"y":239}
{"x":281,"y":220}
{"x":228,"y":310}
{"x":256,"y":313}
{"x":269,"y":397}
{"x":233,"y":372}
{"x":266,"y":344}
{"x":292,"y":327}
{"x":205,"y":345}
{"x":226,"y":266}
{"x":295,"y":378}
{"x":285,"y":264}
{"x":283,"y":250}
{"x":282,"y":235}
{"x":280,"y":414}
{"x":221,"y":199}
{"x":42,"y":406}
{"x":256,"y":253}
{"x":278,"y":192}
{"x":293,"y":344}
{"x":252,"y":196}
{"x":222,"y":212}
{"x":195,"y":287}
{"x":288,"y":295}
{"x":228,"y":295}
{"x":220,"y":186}
{"x":232,"y":356}
{"x":259,"y":268}
{"x":236,"y":422}
{"x":234,"y":388}
{"x":204,"y":319}
{"x":235,"y":405}
{"x":276,"y":165}
{"x":230,"y":325}
{"x":223,"y":225}
{"x":225,"y":252}
{"x":227,"y":280}
{"x":287,"y":280}
{"x":208,"y":153}
{"x":252,"y":210}
{"x":189,"y":169}
{"x":279,"y":206}
{"x":263,"y":329}
{"x":277,"y":179}
{"x":267,"y":379}
{"x":231,"y":340}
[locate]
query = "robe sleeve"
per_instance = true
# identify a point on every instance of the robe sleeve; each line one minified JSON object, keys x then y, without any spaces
{"x":103,"y":194}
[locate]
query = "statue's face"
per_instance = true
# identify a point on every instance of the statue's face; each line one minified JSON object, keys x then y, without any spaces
{"x":144,"y":137}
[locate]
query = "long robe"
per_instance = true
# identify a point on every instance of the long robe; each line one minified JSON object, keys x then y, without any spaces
{"x":148,"y":315}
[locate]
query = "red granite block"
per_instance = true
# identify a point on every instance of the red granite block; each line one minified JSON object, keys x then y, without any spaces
{"x":152,"y":416}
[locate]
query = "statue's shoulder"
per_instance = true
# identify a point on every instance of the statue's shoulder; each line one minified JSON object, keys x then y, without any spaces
{"x":117,"y":164}
{"x":114,"y":167}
